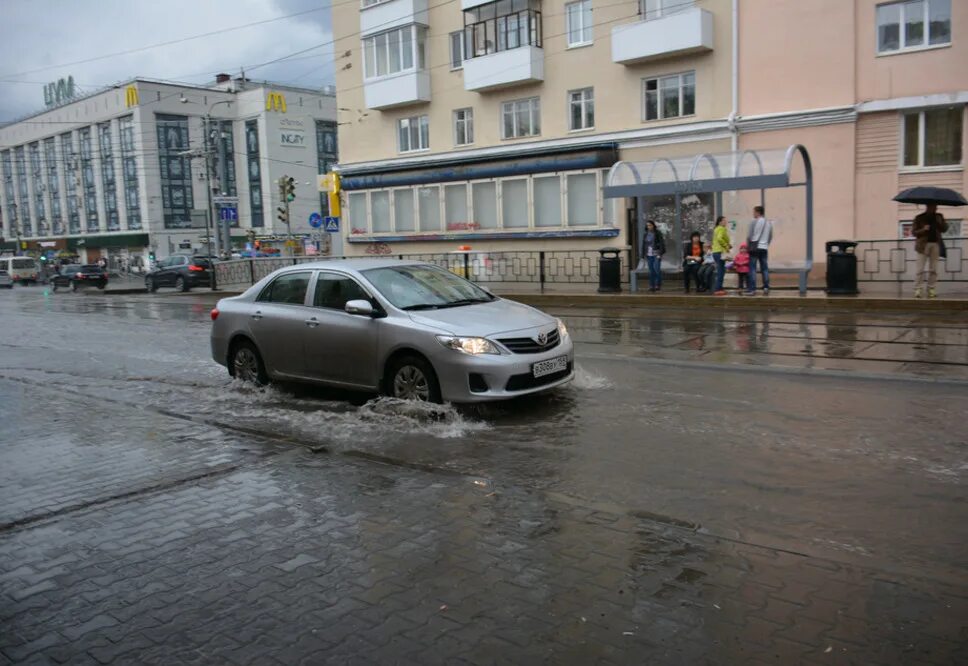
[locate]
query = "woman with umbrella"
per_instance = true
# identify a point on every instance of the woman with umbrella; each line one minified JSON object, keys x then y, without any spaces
{"x":928,"y":229}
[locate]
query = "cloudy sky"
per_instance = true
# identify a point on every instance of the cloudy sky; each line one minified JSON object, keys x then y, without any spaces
{"x":102,"y":42}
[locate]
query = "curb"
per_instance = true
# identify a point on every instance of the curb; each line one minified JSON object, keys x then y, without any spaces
{"x":771,"y":302}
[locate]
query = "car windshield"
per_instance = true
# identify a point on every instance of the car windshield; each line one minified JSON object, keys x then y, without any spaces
{"x":424,"y":287}
{"x":91,"y":268}
{"x":70,"y":268}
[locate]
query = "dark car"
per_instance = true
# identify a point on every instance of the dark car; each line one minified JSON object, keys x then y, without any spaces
{"x":75,"y":276}
{"x":180,"y":271}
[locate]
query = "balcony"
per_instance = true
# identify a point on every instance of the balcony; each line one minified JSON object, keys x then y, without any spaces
{"x":383,"y":16}
{"x":504,"y":69}
{"x":683,"y":33}
{"x":401,"y":89}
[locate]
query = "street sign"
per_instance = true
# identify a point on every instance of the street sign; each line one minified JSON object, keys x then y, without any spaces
{"x":228,"y":214}
{"x":315,"y":220}
{"x":225,"y":200}
{"x":331,"y":225}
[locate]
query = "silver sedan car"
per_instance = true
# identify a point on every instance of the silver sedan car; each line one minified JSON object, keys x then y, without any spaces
{"x":405,"y":329}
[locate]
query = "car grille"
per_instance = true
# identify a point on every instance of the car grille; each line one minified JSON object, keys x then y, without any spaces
{"x":530,"y":345}
{"x":528,"y":381}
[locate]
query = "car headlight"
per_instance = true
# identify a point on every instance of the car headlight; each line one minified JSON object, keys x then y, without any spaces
{"x":473,"y":346}
{"x":562,"y":330}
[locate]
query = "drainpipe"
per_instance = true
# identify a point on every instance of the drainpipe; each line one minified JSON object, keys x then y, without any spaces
{"x":735,"y":79}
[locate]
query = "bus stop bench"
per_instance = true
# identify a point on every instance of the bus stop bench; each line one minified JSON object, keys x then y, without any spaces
{"x":781,"y":266}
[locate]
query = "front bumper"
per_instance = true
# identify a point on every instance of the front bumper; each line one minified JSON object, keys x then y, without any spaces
{"x":505,"y":376}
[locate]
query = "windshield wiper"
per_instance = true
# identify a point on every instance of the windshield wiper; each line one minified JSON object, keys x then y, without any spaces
{"x":422,"y":306}
{"x":466,"y":301}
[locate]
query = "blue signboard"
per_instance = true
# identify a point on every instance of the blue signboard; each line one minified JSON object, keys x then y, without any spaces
{"x":227,"y":214}
{"x":315,"y":220}
{"x":331,"y":225}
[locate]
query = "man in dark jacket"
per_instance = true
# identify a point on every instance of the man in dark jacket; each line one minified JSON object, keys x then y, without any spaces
{"x":692,"y":255}
{"x":928,"y":227}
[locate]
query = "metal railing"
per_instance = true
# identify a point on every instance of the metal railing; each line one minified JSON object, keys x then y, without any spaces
{"x":896,"y":260}
{"x":540,"y":268}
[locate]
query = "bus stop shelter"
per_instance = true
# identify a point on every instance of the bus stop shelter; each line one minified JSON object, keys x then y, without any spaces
{"x":709,"y":173}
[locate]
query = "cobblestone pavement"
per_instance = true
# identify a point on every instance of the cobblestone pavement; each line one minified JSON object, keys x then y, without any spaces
{"x":184,"y":543}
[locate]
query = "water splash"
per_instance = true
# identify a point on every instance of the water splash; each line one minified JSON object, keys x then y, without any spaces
{"x":586,"y":380}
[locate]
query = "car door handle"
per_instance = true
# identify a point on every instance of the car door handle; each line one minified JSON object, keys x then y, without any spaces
{"x":312,"y":323}
{"x":257,"y":315}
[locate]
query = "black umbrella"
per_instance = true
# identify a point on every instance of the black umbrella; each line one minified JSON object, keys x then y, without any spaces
{"x":941,"y":196}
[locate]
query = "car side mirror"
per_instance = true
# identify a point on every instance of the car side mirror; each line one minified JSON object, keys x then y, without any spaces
{"x":359,"y":307}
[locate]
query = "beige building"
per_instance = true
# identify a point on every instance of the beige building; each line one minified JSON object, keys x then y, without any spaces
{"x":494,"y":124}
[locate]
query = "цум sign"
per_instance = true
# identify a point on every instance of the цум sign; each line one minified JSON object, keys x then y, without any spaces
{"x":292,"y":133}
{"x":59,"y":92}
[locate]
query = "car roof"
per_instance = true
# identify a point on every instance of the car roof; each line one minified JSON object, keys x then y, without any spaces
{"x":362,"y":264}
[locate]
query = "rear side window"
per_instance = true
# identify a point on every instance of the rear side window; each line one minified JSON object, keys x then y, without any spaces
{"x":204,"y":263}
{"x":23,"y":263}
{"x":334,"y":291}
{"x":289,"y":288}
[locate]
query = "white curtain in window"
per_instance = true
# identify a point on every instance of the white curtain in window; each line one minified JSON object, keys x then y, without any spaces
{"x":514,"y":203}
{"x":455,"y":206}
{"x":358,"y":211}
{"x":380,"y":210}
{"x":582,"y":200}
{"x":428,"y":200}
{"x":547,"y":201}
{"x":485,"y":205}
{"x":403,"y":210}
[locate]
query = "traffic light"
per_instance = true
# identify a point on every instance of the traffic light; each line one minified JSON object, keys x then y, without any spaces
{"x":290,"y":188}
{"x":151,"y":255}
{"x":283,"y":214}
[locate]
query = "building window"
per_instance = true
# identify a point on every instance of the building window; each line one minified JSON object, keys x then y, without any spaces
{"x":581,"y":109}
{"x":671,"y":96}
{"x":521,"y":117}
{"x":398,"y":50}
{"x":414,"y":133}
{"x":8,"y":191}
{"x":654,"y":9}
{"x":223,"y":136}
{"x":40,"y":207}
{"x":70,"y":183}
{"x":254,"y":171}
{"x":578,"y":22}
{"x":457,"y":49}
{"x":52,"y":167}
{"x":108,"y":179}
{"x":463,"y":127}
{"x":500,"y":26}
{"x":87,"y":178}
{"x":177,"y":200}
{"x":913,"y":24}
{"x":933,"y":137}
{"x":129,"y":169}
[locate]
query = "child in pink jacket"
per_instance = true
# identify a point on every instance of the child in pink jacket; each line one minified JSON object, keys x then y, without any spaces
{"x":741,"y":264}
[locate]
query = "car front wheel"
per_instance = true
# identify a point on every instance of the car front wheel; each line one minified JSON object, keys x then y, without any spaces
{"x":73,"y":286}
{"x":53,"y":285}
{"x":180,"y":284}
{"x":246,"y":364}
{"x":412,"y":378}
{"x":150,"y":285}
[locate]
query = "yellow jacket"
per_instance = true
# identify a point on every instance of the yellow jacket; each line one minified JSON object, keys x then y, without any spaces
{"x":721,"y":240}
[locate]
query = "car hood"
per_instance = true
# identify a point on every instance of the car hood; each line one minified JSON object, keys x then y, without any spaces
{"x":484,"y":319}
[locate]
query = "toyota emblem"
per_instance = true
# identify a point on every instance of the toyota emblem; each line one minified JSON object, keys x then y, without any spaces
{"x":542,"y":339}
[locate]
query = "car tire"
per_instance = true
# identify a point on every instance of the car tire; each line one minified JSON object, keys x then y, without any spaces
{"x":411,"y":377}
{"x":245,"y":363}
{"x":101,"y":286}
{"x":73,"y":286}
{"x":150,"y":285}
{"x":53,"y":286}
{"x":180,"y":284}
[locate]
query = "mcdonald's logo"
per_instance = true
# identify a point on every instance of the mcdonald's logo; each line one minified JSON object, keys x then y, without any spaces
{"x":130,"y":96}
{"x":276,"y":102}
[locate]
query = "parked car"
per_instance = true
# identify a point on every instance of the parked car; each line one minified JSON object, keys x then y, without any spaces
{"x":21,"y":269}
{"x":406,"y":329}
{"x":181,"y":271}
{"x":76,"y":276}
{"x":5,"y":280}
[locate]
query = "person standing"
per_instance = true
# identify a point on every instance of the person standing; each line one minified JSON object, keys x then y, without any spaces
{"x":928,"y":227}
{"x":758,"y":239}
{"x":721,"y":247}
{"x":653,"y":247}
{"x":692,"y":255}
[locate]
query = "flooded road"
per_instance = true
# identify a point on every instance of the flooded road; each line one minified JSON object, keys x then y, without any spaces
{"x":705,"y":420}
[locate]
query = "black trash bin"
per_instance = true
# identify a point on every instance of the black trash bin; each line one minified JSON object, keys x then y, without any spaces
{"x":841,"y":268}
{"x":609,"y":270}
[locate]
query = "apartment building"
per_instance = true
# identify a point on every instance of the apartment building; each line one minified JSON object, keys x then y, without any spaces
{"x":493,"y":124}
{"x":122,"y":172}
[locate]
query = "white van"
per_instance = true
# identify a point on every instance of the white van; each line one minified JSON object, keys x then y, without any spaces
{"x":21,"y":269}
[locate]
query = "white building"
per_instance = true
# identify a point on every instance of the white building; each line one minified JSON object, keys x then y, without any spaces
{"x":122,"y":172}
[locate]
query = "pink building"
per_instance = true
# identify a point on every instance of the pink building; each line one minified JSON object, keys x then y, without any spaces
{"x":875,"y":90}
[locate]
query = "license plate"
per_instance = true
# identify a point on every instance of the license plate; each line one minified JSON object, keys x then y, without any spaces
{"x":551,"y":366}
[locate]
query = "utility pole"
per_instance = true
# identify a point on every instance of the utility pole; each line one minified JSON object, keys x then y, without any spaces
{"x":211,"y":219}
